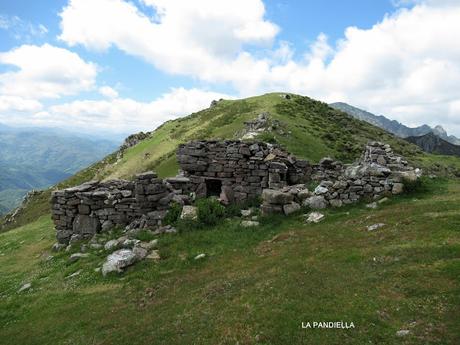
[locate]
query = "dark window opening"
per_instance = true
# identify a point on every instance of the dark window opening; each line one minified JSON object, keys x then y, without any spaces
{"x":213,"y":187}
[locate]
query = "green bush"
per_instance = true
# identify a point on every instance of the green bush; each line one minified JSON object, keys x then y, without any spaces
{"x":411,"y":187}
{"x":173,"y":214}
{"x":209,"y":211}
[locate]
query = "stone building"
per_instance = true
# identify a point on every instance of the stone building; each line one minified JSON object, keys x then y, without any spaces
{"x":236,"y":170}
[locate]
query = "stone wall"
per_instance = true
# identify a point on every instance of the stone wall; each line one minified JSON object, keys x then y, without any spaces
{"x":236,"y":170}
{"x":378,"y":173}
{"x":98,"y":206}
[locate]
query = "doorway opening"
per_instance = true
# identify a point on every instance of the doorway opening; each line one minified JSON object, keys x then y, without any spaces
{"x":213,"y":187}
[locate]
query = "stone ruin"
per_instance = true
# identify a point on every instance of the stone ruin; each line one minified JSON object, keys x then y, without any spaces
{"x":232,"y":171}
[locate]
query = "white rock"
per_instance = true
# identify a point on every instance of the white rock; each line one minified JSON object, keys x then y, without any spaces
{"x":189,"y":212}
{"x":249,"y":223}
{"x":402,"y":333}
{"x":315,"y":202}
{"x":118,"y":260}
{"x":321,"y":190}
{"x":315,"y":217}
{"x":154,"y":255}
{"x":246,"y":213}
{"x":200,"y":256}
{"x":149,"y":245}
{"x":77,"y":256}
{"x":25,"y":287}
{"x":375,"y":226}
{"x":74,"y":274}
{"x":372,"y":205}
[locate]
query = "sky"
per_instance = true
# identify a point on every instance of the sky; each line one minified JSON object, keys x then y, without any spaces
{"x":119,"y":66}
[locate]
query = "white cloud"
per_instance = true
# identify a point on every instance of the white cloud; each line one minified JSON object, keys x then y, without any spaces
{"x":108,"y":92}
{"x":125,"y":114}
{"x":12,"y":104}
{"x":186,"y":37}
{"x":406,"y":66}
{"x":45,"y":72}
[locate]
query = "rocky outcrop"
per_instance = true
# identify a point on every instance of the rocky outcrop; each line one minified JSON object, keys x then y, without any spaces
{"x":433,"y":144}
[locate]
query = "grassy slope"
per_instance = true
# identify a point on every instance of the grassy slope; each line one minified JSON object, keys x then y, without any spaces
{"x":402,"y":276}
{"x":312,"y":130}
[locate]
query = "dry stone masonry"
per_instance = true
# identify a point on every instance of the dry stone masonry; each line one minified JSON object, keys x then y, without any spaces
{"x":233,"y":171}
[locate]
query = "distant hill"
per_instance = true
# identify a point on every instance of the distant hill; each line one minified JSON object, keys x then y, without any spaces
{"x":431,"y":143}
{"x":393,"y":126}
{"x":36,"y":159}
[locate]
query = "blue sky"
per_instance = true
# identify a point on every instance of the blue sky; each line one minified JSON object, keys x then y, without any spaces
{"x":121,"y":66}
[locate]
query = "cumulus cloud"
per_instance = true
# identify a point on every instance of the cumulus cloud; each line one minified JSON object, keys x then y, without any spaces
{"x":45,"y":72}
{"x":12,"y":104}
{"x":126,"y":114}
{"x":406,"y":66}
{"x":108,"y":92}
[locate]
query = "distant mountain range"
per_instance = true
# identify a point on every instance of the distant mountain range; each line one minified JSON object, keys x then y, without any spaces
{"x":38,"y":158}
{"x":431,"y":143}
{"x":393,"y":126}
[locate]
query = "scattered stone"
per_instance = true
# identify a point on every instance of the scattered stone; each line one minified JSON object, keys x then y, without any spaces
{"x":383,"y":200}
{"x":57,"y":247}
{"x":95,"y":245}
{"x":402,"y":333}
{"x":189,"y":212}
{"x":154,"y":255}
{"x":246,"y":213}
{"x":336,"y":203}
{"x":149,"y":245}
{"x":372,"y":205}
{"x":118,"y":260}
{"x":77,"y":256}
{"x":25,"y":287}
{"x":314,"y":217}
{"x":107,"y":226}
{"x":321,"y":190}
{"x":276,"y":197}
{"x":77,"y":273}
{"x":200,"y":256}
{"x":249,"y":223}
{"x":375,"y":226}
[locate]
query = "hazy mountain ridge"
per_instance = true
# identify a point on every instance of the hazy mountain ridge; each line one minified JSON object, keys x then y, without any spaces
{"x":432,"y":143}
{"x":394,"y":126}
{"x":35,"y":159}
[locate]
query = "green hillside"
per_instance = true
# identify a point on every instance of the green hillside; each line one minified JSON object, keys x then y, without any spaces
{"x":255,"y":286}
{"x":308,"y":128}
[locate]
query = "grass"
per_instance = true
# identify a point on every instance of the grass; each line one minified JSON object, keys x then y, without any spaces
{"x":251,"y":289}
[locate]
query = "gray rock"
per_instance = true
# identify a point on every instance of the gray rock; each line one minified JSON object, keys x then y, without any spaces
{"x":249,"y":223}
{"x":291,"y":208}
{"x":140,"y":253}
{"x":149,"y":245}
{"x":118,"y":260}
{"x":107,"y":226}
{"x":57,"y":247}
{"x":397,"y":188}
{"x":375,"y":226}
{"x":77,"y":256}
{"x":336,"y":203}
{"x":189,"y":212}
{"x":321,"y":190}
{"x":315,"y":202}
{"x":276,"y":197}
{"x":402,"y":333}
{"x":200,"y":256}
{"x":372,"y":205}
{"x":111,"y":245}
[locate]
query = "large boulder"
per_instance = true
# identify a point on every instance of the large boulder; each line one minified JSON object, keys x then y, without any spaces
{"x":189,"y":212}
{"x":291,"y":208}
{"x":86,"y":225}
{"x":118,"y":260}
{"x":276,"y":197}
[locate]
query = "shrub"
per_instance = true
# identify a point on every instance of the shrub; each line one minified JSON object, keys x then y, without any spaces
{"x":411,"y":187}
{"x":209,"y":211}
{"x":173,"y":214}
